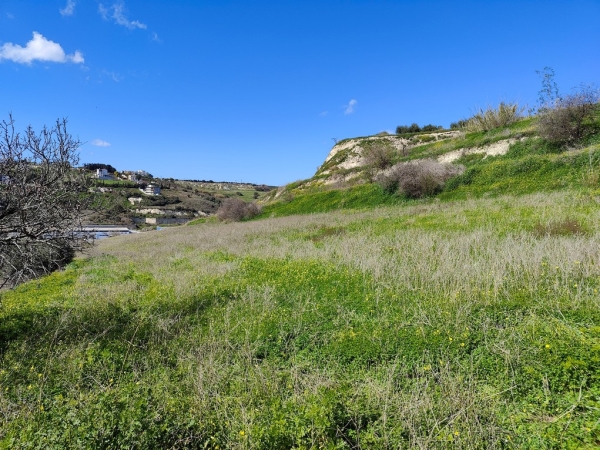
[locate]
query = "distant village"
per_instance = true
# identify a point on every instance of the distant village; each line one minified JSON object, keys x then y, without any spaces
{"x":127,"y":175}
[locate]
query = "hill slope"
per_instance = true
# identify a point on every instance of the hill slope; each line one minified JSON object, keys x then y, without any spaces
{"x":471,"y":320}
{"x":472,"y":324}
{"x":506,"y":160}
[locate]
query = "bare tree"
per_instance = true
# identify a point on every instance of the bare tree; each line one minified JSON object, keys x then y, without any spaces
{"x":570,"y":118}
{"x":42,"y":200}
{"x":234,"y":210}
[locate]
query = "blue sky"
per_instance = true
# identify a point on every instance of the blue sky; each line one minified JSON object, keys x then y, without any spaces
{"x":256,"y":91}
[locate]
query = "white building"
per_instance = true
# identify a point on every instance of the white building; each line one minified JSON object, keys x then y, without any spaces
{"x":151,"y":189}
{"x":102,"y":174}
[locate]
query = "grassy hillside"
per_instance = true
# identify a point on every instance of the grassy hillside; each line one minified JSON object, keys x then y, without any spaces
{"x":530,"y":165}
{"x":181,"y":199}
{"x":347,"y":317}
{"x":465,"y":324}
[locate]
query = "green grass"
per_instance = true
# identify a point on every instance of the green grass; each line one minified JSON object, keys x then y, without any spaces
{"x":465,"y":324}
{"x":522,"y":171}
{"x":116,"y":183}
{"x":358,"y":197}
{"x":531,"y":165}
{"x":345,"y":318}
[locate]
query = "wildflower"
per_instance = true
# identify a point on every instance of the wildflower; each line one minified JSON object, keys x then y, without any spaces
{"x":242,"y":433}
{"x":547,"y":345}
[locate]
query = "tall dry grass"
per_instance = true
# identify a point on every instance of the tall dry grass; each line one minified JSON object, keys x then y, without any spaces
{"x":430,"y":265}
{"x":489,"y":118}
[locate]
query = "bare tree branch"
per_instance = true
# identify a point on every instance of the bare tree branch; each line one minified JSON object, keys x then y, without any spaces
{"x":43,"y":197}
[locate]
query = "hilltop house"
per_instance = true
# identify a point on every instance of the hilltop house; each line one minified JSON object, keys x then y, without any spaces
{"x":102,"y":174}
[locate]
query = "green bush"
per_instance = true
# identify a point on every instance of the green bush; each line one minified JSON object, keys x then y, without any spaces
{"x":415,"y":128}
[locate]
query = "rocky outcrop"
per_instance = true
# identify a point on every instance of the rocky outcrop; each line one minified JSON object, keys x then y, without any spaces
{"x":349,"y":153}
{"x":495,"y":149}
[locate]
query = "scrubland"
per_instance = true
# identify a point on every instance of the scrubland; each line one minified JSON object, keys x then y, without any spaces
{"x":466,"y":323}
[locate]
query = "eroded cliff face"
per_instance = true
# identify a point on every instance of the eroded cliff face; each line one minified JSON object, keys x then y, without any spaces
{"x":347,"y":157}
{"x":350,"y":161}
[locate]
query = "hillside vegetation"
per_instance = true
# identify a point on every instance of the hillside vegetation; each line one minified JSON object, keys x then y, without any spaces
{"x":123,"y":202}
{"x":349,"y":316}
{"x":506,"y":160}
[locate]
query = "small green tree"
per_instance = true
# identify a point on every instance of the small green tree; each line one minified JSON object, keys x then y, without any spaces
{"x":414,"y":128}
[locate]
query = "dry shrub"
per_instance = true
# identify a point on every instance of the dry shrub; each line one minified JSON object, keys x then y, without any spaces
{"x":566,"y":227}
{"x":490,"y":118}
{"x":379,"y":155}
{"x":416,"y":179}
{"x":568,"y":120}
{"x":235,"y":210}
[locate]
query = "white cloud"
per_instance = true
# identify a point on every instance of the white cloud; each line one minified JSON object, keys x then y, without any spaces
{"x":10,"y":16}
{"x":39,"y":48}
{"x":113,"y":75}
{"x":323,"y":113}
{"x":117,"y":12}
{"x":349,"y":108}
{"x":155,"y":37}
{"x":76,"y":57}
{"x":100,"y":143}
{"x":69,"y":9}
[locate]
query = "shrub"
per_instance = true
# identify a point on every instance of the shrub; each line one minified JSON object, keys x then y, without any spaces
{"x":458,"y":125}
{"x":566,"y":227}
{"x":415,"y":128}
{"x":570,"y":118}
{"x":378,"y":155}
{"x":431,"y":127}
{"x":417,"y":179}
{"x":234,"y":210}
{"x":490,"y":118}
